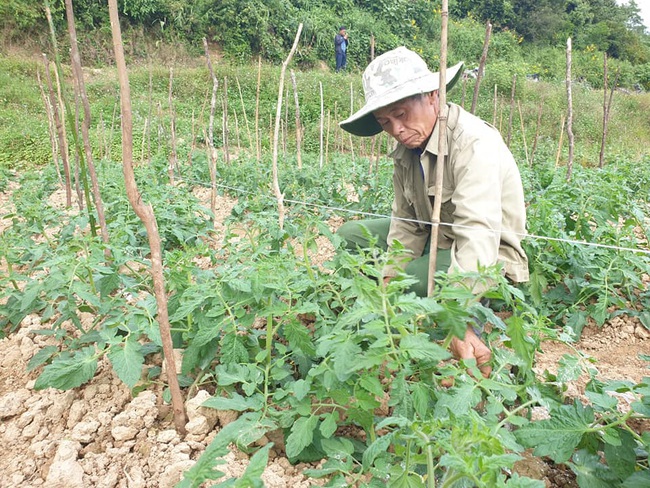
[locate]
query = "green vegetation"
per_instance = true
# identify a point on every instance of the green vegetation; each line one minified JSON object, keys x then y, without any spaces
{"x":339,"y":366}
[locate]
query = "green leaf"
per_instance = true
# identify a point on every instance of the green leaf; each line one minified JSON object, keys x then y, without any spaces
{"x":621,"y":458}
{"x":302,"y":435}
{"x":127,"y":360}
{"x":301,"y":388}
{"x":252,"y":477}
{"x":419,"y":346}
{"x":590,"y":472}
{"x":516,"y":481}
{"x":558,"y":436}
{"x":41,"y":357}
{"x":69,"y":372}
{"x":329,"y":424}
{"x":380,"y":446}
{"x":235,"y":402}
{"x":459,"y":400}
{"x":233,"y":349}
{"x":519,"y":340}
{"x":570,"y":368}
{"x":299,"y":337}
{"x":640,"y":479}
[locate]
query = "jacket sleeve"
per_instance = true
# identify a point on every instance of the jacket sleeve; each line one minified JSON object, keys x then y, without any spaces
{"x":409,"y":233}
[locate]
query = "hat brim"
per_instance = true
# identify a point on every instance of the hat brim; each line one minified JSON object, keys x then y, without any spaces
{"x":363,"y":123}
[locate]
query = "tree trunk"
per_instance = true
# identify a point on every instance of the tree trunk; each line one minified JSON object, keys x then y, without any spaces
{"x":146,"y":214}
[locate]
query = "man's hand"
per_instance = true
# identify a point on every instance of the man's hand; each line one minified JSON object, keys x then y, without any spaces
{"x":472,"y":347}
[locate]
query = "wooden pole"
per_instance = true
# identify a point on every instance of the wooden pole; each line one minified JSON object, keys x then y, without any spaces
{"x":146,"y":214}
{"x":226,"y":132}
{"x":298,"y":124}
{"x":494,"y":110}
{"x":85,"y":126}
{"x":327,"y":136}
{"x":351,"y":112}
{"x":173,"y":165}
{"x":243,"y":107}
{"x":276,"y":186}
{"x":481,"y":66}
{"x":523,"y":132}
{"x":559,"y":146}
{"x":320,"y":86}
{"x":50,"y":128}
{"x":512,"y":107}
{"x":442,"y":149}
{"x":212,"y":156}
{"x":258,"y":147}
{"x":539,"y":124}
{"x":372,"y":47}
{"x":569,"y":117}
{"x":607,"y":105}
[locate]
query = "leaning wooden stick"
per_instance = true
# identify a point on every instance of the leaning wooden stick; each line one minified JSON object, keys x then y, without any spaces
{"x":442,"y":150}
{"x":145,"y":213}
{"x":481,"y":66}
{"x":276,"y":186}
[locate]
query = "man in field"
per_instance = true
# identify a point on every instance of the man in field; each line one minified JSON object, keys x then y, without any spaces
{"x":483,"y":216}
{"x":341,"y":49}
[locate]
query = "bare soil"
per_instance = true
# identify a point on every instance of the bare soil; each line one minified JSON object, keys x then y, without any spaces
{"x":98,"y":435}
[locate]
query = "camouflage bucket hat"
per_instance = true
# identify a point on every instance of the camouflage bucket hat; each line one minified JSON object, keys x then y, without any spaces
{"x":393,"y":76}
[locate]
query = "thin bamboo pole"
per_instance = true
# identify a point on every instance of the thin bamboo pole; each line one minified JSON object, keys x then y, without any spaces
{"x":442,"y":150}
{"x":51,"y":128}
{"x":276,"y":186}
{"x":298,"y":123}
{"x":523,"y":132}
{"x":243,"y":107}
{"x":481,"y":66}
{"x":559,"y":146}
{"x":258,"y":148}
{"x":569,"y":117}
{"x":173,"y":165}
{"x":494,"y":110}
{"x":146,"y":214}
{"x":212,"y":157}
{"x":226,"y":132}
{"x":537,"y":127}
{"x":512,"y":107}
{"x":320,"y":86}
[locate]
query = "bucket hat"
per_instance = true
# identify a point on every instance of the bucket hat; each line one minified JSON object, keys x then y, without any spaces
{"x":393,"y":76}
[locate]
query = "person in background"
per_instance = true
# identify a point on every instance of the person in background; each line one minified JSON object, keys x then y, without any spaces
{"x":340,"y":48}
{"x":483,"y":215}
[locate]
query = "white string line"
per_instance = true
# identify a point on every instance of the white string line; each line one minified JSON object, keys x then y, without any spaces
{"x":468,"y":227}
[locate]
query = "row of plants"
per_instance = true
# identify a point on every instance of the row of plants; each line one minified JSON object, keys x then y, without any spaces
{"x":347,"y":370}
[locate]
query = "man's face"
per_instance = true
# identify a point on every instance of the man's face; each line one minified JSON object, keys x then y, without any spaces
{"x":410,"y":121}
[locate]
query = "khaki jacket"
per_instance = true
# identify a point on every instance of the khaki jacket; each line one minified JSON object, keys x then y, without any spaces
{"x":482,"y":196}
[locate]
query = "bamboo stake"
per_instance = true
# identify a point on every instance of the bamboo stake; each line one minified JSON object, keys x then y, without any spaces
{"x":147,"y":122}
{"x":327,"y":137}
{"x":372,"y":47}
{"x":60,"y":131}
{"x":523,"y":132}
{"x":559,"y":146}
{"x":298,"y":124}
{"x":243,"y":108}
{"x":210,"y":138}
{"x":442,"y":150}
{"x":226,"y":132}
{"x":320,"y":85}
{"x":569,"y":117}
{"x":494,"y":110}
{"x":173,"y":165}
{"x":51,"y":128}
{"x":351,"y":112}
{"x":146,"y":214}
{"x":85,"y":126}
{"x":481,"y":65}
{"x":234,"y":112}
{"x":462,"y":98}
{"x":606,"y":110}
{"x":276,"y":186}
{"x":512,"y":107}
{"x":258,"y":148}
{"x":539,"y":124}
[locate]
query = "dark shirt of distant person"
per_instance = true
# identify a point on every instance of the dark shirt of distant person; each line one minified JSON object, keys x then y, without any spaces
{"x":341,"y":49}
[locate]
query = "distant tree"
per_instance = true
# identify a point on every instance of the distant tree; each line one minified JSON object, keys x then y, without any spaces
{"x":540,"y":21}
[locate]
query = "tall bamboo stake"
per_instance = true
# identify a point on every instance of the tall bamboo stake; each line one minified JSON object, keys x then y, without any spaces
{"x":481,"y":65}
{"x":512,"y":107}
{"x":173,"y":165}
{"x":494,"y":110}
{"x":442,"y":149}
{"x":351,"y":112}
{"x":226,"y":132}
{"x":320,"y":85}
{"x":523,"y":132}
{"x":569,"y":117}
{"x":276,"y":186}
{"x":243,"y":108}
{"x":606,"y":110}
{"x":212,"y":159}
{"x":559,"y":146}
{"x":85,"y":126}
{"x":146,"y":214}
{"x":60,"y":131}
{"x":258,"y":148}
{"x":537,"y":127}
{"x":51,"y":128}
{"x":327,"y":136}
{"x":298,"y":124}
